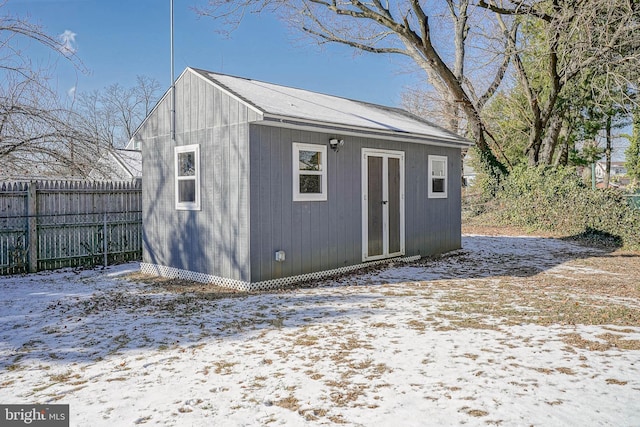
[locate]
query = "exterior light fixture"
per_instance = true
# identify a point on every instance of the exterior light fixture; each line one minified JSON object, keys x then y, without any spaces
{"x":336,"y":143}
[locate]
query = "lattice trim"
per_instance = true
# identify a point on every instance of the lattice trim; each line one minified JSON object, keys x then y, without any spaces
{"x":177,"y":273}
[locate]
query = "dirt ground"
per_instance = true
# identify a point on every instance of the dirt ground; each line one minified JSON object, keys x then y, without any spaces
{"x":600,"y":287}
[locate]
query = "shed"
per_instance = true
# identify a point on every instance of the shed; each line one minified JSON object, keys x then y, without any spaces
{"x":264,"y":185}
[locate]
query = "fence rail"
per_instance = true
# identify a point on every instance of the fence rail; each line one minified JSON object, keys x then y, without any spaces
{"x":51,"y":224}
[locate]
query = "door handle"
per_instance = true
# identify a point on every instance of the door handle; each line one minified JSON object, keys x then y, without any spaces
{"x":384,"y":202}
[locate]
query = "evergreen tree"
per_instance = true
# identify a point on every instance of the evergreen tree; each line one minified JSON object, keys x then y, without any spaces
{"x":632,"y":153}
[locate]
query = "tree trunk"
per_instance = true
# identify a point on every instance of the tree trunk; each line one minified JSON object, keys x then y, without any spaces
{"x":550,"y":141}
{"x":563,"y":156}
{"x":607,"y":151}
{"x":460,"y":36}
{"x":535,"y":140}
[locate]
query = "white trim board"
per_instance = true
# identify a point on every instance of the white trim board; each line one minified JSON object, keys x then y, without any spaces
{"x":385,"y":155}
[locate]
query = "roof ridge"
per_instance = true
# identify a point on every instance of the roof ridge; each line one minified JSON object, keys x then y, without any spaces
{"x":249,"y":79}
{"x":211,"y":75}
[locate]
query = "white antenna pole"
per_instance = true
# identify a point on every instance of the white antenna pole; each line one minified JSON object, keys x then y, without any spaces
{"x":173,"y":85}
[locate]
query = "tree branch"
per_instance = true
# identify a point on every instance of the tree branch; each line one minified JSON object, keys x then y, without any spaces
{"x":520,"y":10}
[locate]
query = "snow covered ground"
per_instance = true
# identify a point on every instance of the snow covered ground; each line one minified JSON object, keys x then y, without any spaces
{"x":438,"y":342}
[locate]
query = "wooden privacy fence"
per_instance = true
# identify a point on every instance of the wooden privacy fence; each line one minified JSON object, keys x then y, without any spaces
{"x":51,"y":224}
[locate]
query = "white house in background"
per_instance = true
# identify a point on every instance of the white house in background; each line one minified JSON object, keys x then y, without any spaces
{"x":617,"y":169}
{"x":118,"y":165}
{"x":468,"y":172}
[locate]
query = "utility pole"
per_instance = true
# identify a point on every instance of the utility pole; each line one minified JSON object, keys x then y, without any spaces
{"x":173,"y":85}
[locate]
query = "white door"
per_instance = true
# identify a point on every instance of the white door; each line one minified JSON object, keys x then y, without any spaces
{"x":382,"y":204}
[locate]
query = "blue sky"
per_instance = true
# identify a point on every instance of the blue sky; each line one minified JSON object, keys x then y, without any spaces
{"x":117,"y":40}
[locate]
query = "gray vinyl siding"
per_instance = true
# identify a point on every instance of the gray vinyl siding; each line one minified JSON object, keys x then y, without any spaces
{"x":215,"y":239}
{"x":247,"y":210}
{"x":318,"y":236}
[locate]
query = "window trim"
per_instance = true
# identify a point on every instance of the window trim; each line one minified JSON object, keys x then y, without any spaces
{"x":433,"y":194}
{"x":187,"y":206}
{"x":308,"y":197}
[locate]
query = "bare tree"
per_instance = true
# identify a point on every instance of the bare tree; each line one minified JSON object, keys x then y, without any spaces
{"x":129,"y":106}
{"x":105,"y":120}
{"x":36,"y":135}
{"x":14,"y":29}
{"x":39,"y":136}
{"x":566,"y":41}
{"x":35,"y":132}
{"x":402,"y":27}
{"x":146,"y":93}
{"x":111,"y":116}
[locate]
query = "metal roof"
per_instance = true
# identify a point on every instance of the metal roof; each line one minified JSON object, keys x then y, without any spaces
{"x":282,"y":105}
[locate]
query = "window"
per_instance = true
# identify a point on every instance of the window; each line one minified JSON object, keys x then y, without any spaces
{"x":437,"y":173}
{"x":309,"y":172}
{"x":188,"y":177}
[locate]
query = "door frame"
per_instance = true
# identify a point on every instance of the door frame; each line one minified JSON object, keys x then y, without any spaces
{"x":385,"y":154}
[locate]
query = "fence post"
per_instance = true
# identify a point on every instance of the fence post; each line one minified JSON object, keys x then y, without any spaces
{"x":32,"y":225}
{"x":104,"y":240}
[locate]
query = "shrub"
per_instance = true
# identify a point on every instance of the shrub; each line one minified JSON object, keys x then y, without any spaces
{"x":554,"y":198}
